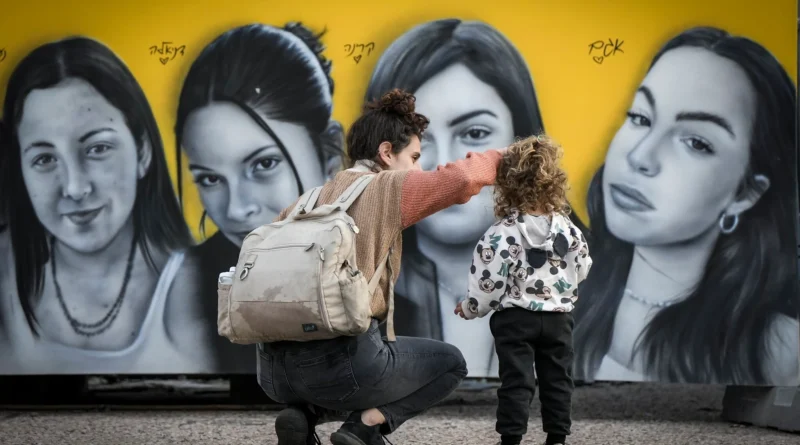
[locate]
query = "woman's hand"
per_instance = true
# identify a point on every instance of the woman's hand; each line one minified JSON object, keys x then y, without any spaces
{"x":459,"y":311}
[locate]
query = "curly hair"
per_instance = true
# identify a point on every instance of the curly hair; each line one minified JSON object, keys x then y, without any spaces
{"x":391,"y":118}
{"x":530,"y":179}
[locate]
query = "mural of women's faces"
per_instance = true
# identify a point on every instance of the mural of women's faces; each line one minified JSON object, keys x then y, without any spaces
{"x":693,"y":223}
{"x":6,"y":284}
{"x":475,"y":88}
{"x":254,"y":119}
{"x":80,"y":165}
{"x":249,"y":182}
{"x":92,"y":269}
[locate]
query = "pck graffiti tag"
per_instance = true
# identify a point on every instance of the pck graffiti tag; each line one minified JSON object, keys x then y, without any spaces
{"x":602,"y":49}
{"x":167,"y":51}
{"x":357,"y":50}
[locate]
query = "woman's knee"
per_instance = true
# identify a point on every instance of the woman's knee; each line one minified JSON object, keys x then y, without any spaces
{"x":459,"y":364}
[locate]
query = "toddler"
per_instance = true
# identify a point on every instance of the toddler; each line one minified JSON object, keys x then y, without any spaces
{"x":526,"y":268}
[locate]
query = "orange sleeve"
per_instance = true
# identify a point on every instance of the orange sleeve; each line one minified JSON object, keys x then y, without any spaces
{"x":427,"y":192}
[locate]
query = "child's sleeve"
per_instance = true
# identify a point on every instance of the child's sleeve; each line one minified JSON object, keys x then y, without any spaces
{"x":584,"y":261}
{"x":488,"y":274}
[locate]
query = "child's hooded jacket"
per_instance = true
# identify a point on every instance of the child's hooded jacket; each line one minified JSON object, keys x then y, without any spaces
{"x":533,"y":262}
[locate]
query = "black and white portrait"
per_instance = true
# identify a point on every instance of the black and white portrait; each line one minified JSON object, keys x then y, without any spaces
{"x":254,"y":121}
{"x":693,"y":218}
{"x":97,"y":240}
{"x":475,"y":87}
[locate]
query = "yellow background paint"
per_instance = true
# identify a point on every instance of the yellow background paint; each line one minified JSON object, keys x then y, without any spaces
{"x":582,"y":102}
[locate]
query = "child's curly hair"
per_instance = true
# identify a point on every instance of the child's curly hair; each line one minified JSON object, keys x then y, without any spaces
{"x":530,"y":178}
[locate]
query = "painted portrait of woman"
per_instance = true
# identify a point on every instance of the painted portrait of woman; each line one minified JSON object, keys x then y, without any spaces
{"x":254,"y":121}
{"x":94,"y":225}
{"x":477,"y":91}
{"x":693,"y":219}
{"x":6,"y":288}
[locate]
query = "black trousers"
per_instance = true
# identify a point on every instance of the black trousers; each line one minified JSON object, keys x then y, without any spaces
{"x":524,"y":339}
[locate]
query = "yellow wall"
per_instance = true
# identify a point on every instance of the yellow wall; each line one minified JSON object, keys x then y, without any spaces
{"x":582,"y":102}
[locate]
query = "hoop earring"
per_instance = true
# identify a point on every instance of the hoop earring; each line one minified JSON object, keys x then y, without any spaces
{"x":729,"y":229}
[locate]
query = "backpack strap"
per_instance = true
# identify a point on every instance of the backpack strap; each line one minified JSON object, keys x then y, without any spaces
{"x":307,"y":201}
{"x":349,"y":196}
{"x":373,"y":284}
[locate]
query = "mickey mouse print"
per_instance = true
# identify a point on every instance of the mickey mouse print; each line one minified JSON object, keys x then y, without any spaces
{"x":530,"y":261}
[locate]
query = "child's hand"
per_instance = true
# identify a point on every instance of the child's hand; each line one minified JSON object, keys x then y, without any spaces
{"x":459,"y":311}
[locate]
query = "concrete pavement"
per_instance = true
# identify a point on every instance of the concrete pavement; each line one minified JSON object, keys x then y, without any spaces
{"x":603,"y":414}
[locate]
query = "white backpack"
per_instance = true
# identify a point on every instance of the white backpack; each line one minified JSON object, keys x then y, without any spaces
{"x":298,"y":279}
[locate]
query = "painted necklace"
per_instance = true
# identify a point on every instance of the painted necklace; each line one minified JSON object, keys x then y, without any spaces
{"x":682,"y":295}
{"x":96,"y":328}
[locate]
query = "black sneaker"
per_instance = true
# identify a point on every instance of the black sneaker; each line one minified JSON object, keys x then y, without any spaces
{"x":354,"y":432}
{"x":295,"y":426}
{"x":556,"y":439}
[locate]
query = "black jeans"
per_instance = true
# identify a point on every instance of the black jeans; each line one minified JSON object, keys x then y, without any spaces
{"x":524,"y":338}
{"x":400,"y":379}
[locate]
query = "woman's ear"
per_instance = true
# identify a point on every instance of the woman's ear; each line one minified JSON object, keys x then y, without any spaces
{"x":751,"y":192}
{"x":145,"y":157}
{"x":333,"y":148}
{"x":385,"y":153}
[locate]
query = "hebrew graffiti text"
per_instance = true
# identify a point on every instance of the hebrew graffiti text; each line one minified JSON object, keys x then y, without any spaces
{"x":356,"y":50}
{"x":167,"y":51}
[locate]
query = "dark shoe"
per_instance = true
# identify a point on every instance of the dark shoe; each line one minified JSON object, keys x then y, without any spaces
{"x":354,"y":432}
{"x":556,"y":439}
{"x":295,"y":426}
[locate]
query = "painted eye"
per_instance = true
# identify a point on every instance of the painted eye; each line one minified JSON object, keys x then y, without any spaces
{"x":98,"y":149}
{"x":638,"y":119}
{"x":208,"y":180}
{"x":44,"y":160}
{"x":266,"y":164}
{"x":698,"y":144}
{"x":475,"y":134}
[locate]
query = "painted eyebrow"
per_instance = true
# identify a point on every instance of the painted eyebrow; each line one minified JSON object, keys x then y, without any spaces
{"x":701,"y":116}
{"x":469,"y":115}
{"x":247,"y":159}
{"x":647,"y":95}
{"x":94,"y":132}
{"x":87,"y":135}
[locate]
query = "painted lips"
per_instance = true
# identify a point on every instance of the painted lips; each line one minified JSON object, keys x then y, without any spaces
{"x":83,"y":217}
{"x":628,"y":198}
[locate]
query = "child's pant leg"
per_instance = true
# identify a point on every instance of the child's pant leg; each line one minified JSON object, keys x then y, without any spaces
{"x":514,"y":330}
{"x":554,"y":356}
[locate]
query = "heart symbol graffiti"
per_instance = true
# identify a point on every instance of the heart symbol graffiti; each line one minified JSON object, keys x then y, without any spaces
{"x":163,"y":60}
{"x":357,"y":58}
{"x":598,"y":59}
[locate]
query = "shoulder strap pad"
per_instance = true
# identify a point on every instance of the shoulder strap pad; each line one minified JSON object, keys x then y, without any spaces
{"x":346,"y":199}
{"x":306,"y":202}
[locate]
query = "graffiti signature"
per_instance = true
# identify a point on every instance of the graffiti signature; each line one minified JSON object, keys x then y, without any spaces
{"x":168,"y":50}
{"x":605,"y":49}
{"x":351,"y":49}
